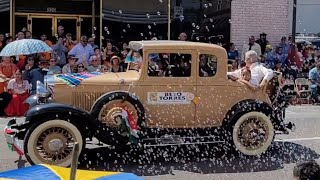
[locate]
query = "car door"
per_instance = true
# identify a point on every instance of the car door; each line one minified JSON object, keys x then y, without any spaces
{"x":168,"y":95}
{"x":212,"y":97}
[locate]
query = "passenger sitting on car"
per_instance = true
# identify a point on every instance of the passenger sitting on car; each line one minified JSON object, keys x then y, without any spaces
{"x":204,"y":69}
{"x":245,"y":78}
{"x":260,"y":75}
{"x":182,"y":69}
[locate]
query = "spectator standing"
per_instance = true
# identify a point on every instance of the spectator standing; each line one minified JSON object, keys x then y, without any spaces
{"x":83,"y":51}
{"x":49,"y":43}
{"x":270,"y":57}
{"x":252,"y":45}
{"x":68,"y":42}
{"x":263,"y":42}
{"x":60,"y":52}
{"x":233,"y":52}
{"x":37,"y":74}
{"x":285,"y":45}
{"x":91,"y":42}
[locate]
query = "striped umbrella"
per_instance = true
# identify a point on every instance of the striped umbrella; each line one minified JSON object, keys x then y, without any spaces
{"x":25,"y":47}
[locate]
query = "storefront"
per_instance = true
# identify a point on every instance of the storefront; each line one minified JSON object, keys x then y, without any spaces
{"x":201,"y":20}
{"x":43,"y":17}
{"x":122,"y":20}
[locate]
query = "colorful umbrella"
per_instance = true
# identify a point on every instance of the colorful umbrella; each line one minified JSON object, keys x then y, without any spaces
{"x":48,"y":172}
{"x":25,"y":47}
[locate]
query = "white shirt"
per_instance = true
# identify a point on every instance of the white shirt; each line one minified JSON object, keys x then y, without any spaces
{"x":258,"y":73}
{"x":18,"y":88}
{"x":255,"y":47}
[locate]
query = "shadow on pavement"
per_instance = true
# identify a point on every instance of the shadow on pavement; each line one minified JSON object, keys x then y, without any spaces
{"x":198,"y":159}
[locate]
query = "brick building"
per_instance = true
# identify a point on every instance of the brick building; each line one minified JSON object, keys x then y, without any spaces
{"x":256,"y":16}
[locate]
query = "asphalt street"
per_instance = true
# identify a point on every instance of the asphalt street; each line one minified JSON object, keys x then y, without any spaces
{"x":202,"y":162}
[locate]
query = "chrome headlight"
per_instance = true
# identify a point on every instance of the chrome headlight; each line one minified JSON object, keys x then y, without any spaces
{"x":41,"y":91}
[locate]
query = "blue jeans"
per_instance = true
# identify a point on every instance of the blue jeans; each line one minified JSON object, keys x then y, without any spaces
{"x":315,"y":91}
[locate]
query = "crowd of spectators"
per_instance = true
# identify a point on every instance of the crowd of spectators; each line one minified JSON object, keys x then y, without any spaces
{"x":21,"y":73}
{"x":305,"y":62}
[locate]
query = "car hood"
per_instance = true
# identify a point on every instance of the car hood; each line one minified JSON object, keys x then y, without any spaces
{"x":105,"y":78}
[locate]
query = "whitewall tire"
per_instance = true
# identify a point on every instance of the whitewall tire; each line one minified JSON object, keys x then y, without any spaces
{"x":52,"y":143}
{"x":253,"y":134}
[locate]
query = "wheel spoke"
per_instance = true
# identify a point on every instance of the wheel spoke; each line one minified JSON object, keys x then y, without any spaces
{"x":54,"y":145}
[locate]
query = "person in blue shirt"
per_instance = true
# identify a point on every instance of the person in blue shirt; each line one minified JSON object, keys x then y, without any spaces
{"x":282,"y":56}
{"x":37,"y":75}
{"x":232,"y":52}
{"x":285,"y":45}
{"x":314,"y":77}
{"x":270,"y":57}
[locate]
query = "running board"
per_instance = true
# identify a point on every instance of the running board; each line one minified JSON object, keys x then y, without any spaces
{"x":177,"y":140}
{"x":179,"y":144}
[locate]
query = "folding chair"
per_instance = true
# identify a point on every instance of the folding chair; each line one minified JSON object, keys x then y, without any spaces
{"x":302,"y":89}
{"x":290,"y":91}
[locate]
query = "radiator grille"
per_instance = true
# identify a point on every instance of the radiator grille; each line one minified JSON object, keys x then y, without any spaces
{"x":85,"y":100}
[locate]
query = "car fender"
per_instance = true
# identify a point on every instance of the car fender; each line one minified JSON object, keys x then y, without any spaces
{"x":112,"y":92}
{"x":249,"y":105}
{"x":60,"y":111}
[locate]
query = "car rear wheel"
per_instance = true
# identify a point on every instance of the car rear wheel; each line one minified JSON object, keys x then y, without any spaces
{"x":252,"y":134}
{"x":52,"y":142}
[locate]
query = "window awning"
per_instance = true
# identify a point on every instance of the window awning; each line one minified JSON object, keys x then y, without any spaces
{"x":4,"y":5}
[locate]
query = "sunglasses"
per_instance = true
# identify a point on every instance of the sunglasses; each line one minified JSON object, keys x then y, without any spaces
{"x":94,"y":60}
{"x":80,"y":66}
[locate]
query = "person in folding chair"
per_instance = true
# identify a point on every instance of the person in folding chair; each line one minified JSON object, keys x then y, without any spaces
{"x":314,"y":77}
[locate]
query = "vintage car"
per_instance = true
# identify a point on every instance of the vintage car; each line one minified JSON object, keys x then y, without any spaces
{"x":179,"y":95}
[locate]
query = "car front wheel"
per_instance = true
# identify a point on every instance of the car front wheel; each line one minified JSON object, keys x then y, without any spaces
{"x":52,"y":142}
{"x":252,"y":134}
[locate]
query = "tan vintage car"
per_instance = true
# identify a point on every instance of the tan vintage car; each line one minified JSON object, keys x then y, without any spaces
{"x":177,"y":94}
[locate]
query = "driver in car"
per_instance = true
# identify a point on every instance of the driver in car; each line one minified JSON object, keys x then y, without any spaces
{"x":260,"y":75}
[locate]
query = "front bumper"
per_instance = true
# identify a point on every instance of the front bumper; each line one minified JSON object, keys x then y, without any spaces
{"x":10,"y":133}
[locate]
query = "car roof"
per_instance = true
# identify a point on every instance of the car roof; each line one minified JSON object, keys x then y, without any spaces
{"x":136,"y":45}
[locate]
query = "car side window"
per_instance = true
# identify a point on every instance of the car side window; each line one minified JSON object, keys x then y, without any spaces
{"x":169,"y":65}
{"x":207,"y":65}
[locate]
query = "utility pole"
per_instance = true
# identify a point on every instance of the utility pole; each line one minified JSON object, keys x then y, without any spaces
{"x":169,"y":19}
{"x":294,"y":27}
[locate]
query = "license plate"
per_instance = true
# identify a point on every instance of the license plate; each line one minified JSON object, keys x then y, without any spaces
{"x":171,"y":139}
